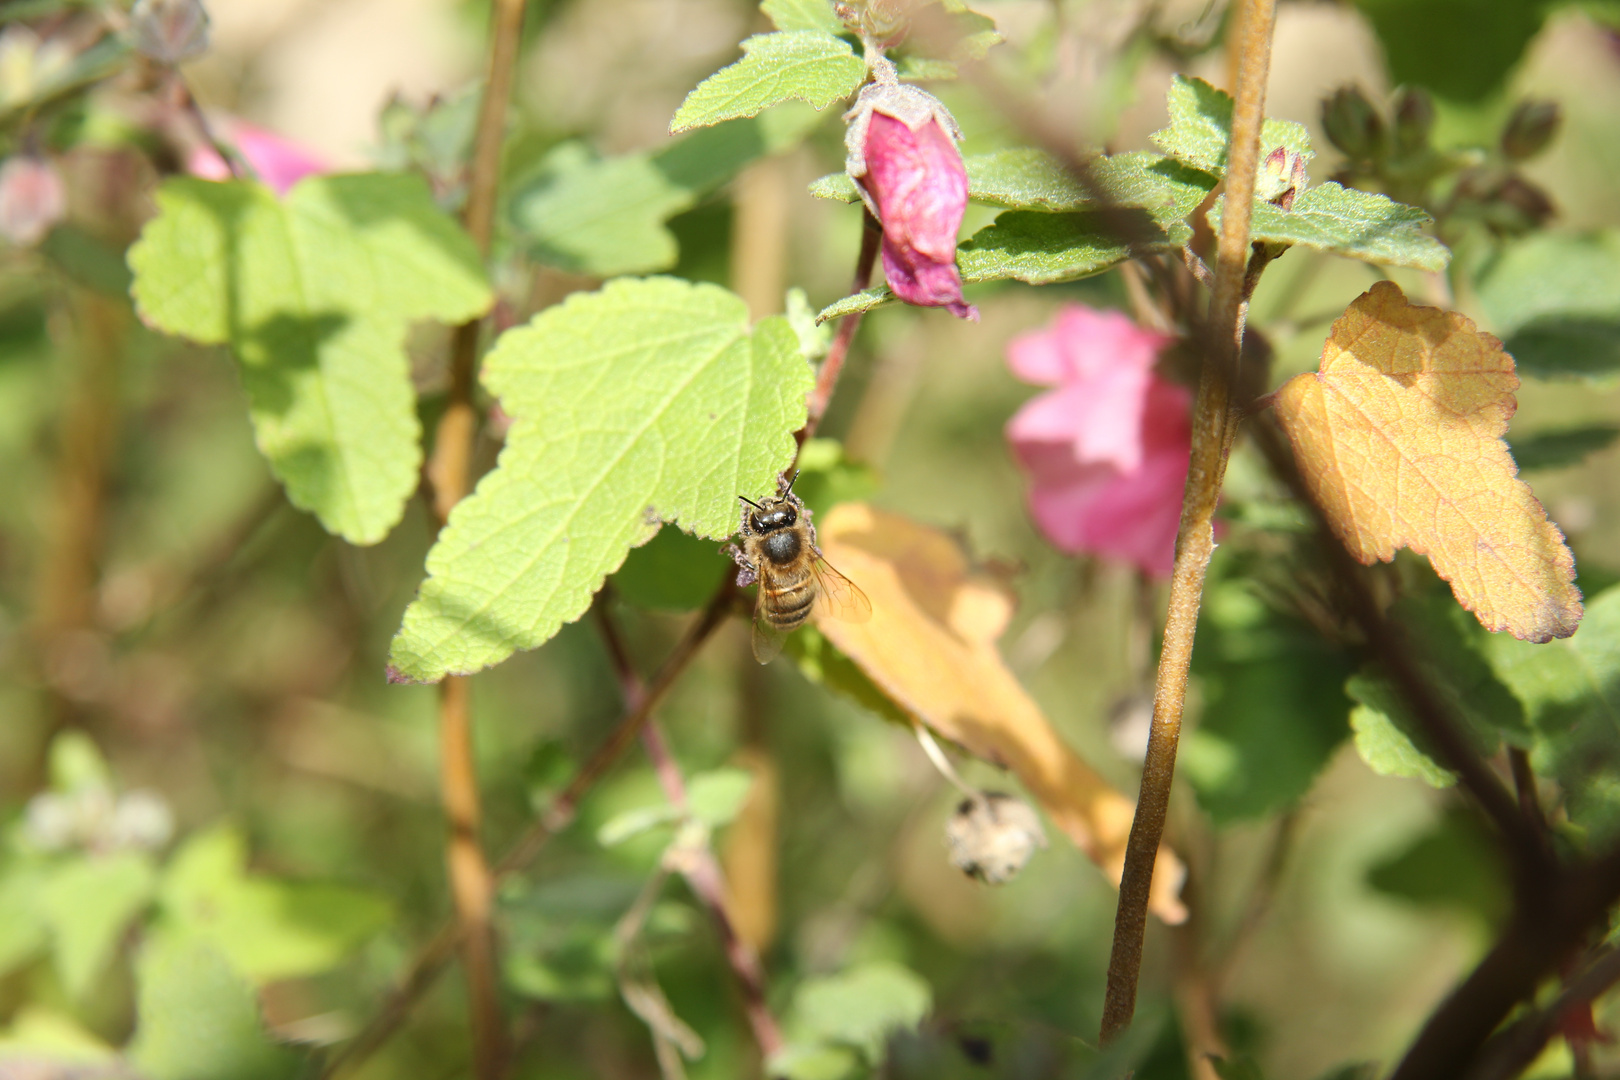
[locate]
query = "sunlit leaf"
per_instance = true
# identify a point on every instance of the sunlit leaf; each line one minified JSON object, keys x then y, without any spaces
{"x":38,"y":1037}
{"x":1399,"y":438}
{"x":1381,"y":741}
{"x":862,"y":1007}
{"x":646,"y":401}
{"x":1344,"y":221}
{"x":1201,"y":126}
{"x":88,"y":904}
{"x":197,"y":1018}
{"x":716,"y":796}
{"x":795,"y":65}
{"x":314,"y":295}
{"x":802,"y":15}
{"x":930,"y":647}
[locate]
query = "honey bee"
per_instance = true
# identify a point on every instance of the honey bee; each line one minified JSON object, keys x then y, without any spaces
{"x":779,"y":551}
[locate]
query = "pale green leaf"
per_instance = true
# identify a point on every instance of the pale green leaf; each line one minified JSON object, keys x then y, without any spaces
{"x":1344,"y":221}
{"x":802,"y":15}
{"x":629,"y":824}
{"x":862,"y":1007}
{"x":1201,"y":126}
{"x":314,"y":295}
{"x":865,"y":300}
{"x":815,"y":1061}
{"x":1041,"y":249}
{"x":715,"y":797}
{"x":648,"y":400}
{"x":198,"y":1019}
{"x":606,"y":216}
{"x":796,"y":65}
{"x":1382,"y":744}
{"x":38,"y":1036}
{"x":1554,"y":299}
{"x":88,"y":904}
{"x":23,"y":933}
{"x":814,"y":339}
{"x":76,"y":763}
{"x":267,"y":929}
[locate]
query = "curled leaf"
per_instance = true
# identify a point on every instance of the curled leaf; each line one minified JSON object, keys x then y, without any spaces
{"x":931,"y":647}
{"x":1399,"y":438}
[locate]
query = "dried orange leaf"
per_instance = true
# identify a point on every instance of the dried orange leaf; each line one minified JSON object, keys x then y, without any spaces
{"x":930,"y":646}
{"x":1399,"y":438}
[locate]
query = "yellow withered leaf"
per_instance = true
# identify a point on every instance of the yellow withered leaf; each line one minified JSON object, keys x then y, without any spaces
{"x":1399,"y":438}
{"x":930,"y":646}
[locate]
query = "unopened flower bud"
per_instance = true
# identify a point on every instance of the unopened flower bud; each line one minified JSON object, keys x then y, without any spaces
{"x":1529,"y":130}
{"x":1282,"y":177}
{"x":1516,"y":207}
{"x":32,"y":199}
{"x":1353,"y":125}
{"x":169,"y":31}
{"x":902,"y":156}
{"x":1414,"y":120}
{"x":992,"y":836}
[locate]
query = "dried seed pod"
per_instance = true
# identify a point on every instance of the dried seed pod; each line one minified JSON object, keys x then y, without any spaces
{"x":991,"y":836}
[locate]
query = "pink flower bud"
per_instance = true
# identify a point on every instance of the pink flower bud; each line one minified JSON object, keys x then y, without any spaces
{"x":903,"y":158}
{"x":279,"y":162}
{"x":32,"y":199}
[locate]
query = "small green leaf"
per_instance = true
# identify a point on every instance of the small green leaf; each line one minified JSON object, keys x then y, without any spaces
{"x":836,"y":186}
{"x":314,"y":295}
{"x":716,"y":797}
{"x":23,"y":933}
{"x":1454,"y":865}
{"x":76,"y":764}
{"x":865,"y":300}
{"x":804,"y":65}
{"x":632,"y":823}
{"x":827,"y":477}
{"x":1041,"y":249}
{"x":1560,"y":449}
{"x":1344,"y":221}
{"x":1382,"y":744}
{"x":88,"y":903}
{"x":198,"y":1019}
{"x":862,"y":1007}
{"x":1554,"y":299}
{"x":674,"y":571}
{"x":647,"y":400}
{"x":802,"y":15}
{"x":1201,"y":126}
{"x":267,"y":929}
{"x":814,"y":1061}
{"x":814,"y":339}
{"x":37,"y":1036}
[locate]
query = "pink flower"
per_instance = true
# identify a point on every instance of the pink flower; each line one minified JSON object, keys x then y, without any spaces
{"x":903,"y":158}
{"x":278,"y":162}
{"x":32,"y":199}
{"x":1107,"y":450}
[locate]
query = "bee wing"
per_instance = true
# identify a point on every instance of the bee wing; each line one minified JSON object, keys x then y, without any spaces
{"x":839,"y":597}
{"x":767,"y":638}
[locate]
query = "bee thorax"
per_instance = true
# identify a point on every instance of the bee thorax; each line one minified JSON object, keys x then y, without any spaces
{"x":781,"y":547}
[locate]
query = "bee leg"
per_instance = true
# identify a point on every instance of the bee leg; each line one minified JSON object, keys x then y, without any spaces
{"x":746,"y":574}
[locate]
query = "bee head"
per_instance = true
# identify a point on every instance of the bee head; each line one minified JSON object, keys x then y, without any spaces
{"x":773,"y":514}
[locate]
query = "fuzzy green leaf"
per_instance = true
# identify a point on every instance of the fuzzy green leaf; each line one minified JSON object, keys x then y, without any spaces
{"x":1344,"y":221}
{"x":314,"y":295}
{"x":792,"y":65}
{"x":802,"y":15}
{"x":1201,"y":126}
{"x":1554,"y":299}
{"x":647,"y":400}
{"x":198,"y":1019}
{"x":862,"y":1007}
{"x":88,"y":904}
{"x":1382,"y":744}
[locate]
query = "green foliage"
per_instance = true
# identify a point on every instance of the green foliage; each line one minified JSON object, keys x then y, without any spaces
{"x":802,"y":15}
{"x":264,"y":928}
{"x":713,"y":799}
{"x":1454,"y":865}
{"x":88,"y":904}
{"x":1201,"y":126}
{"x":607,"y":216}
{"x":198,"y":1019}
{"x":1457,"y":48}
{"x":1274,"y":710}
{"x":674,"y":571}
{"x":1554,"y":299}
{"x":314,"y":294}
{"x":794,"y":65}
{"x":827,"y":477}
{"x":37,"y":1036}
{"x":647,"y":400}
{"x":1383,"y":745}
{"x":857,"y":1009}
{"x":1559,"y":449}
{"x":1344,"y":221}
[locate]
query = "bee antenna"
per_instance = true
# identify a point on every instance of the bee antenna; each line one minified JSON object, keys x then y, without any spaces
{"x":795,"y":479}
{"x":751,"y":502}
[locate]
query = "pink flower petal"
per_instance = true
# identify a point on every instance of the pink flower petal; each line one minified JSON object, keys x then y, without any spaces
{"x":278,"y":162}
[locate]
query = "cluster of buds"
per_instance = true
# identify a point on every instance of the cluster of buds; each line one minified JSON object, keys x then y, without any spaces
{"x":1398,"y":156}
{"x":902,"y":156}
{"x":32,"y":199}
{"x":1282,"y":177}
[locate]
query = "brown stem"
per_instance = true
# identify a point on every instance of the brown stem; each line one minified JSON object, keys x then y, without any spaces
{"x":1195,"y":538}
{"x":1524,"y":785}
{"x":833,"y":365}
{"x":450,"y":471}
{"x":1512,"y":1050}
{"x":699,"y":867}
{"x":435,"y":956}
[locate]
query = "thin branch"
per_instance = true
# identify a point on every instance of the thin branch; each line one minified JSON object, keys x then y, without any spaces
{"x":833,"y":365}
{"x":1195,"y":537}
{"x":450,"y":470}
{"x":435,"y":956}
{"x":698,"y":866}
{"x":1512,"y":1050}
{"x":1524,"y":785}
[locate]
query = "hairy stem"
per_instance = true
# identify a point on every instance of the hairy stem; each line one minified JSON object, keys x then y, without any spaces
{"x":450,"y":471}
{"x":833,"y":365}
{"x":1194,"y":539}
{"x":431,"y":961}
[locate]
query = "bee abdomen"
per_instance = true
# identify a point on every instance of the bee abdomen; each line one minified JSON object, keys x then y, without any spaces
{"x":789,"y":607}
